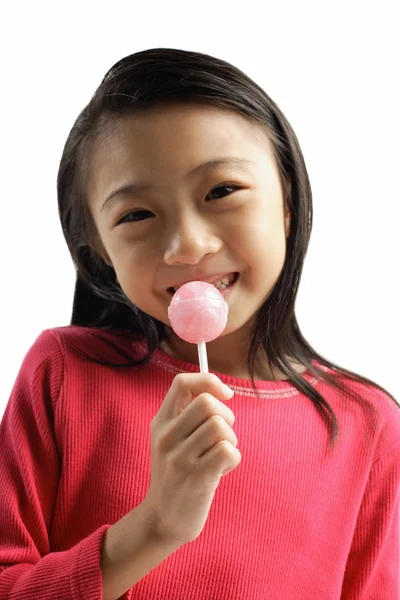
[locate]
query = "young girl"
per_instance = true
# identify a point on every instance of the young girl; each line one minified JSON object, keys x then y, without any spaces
{"x":120,"y":470}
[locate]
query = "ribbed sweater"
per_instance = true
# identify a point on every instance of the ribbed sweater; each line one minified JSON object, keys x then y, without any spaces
{"x":294,"y":521}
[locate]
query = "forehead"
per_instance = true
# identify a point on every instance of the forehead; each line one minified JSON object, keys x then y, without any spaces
{"x":166,"y":141}
{"x":162,"y":128}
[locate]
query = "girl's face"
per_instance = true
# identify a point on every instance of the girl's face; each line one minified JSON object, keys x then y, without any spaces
{"x":165,"y":217}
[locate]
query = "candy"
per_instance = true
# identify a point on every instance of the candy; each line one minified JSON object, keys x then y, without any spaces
{"x":198,"y":313}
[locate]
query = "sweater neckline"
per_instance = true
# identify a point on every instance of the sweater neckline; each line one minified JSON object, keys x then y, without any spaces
{"x":243,"y":387}
{"x":239,"y":385}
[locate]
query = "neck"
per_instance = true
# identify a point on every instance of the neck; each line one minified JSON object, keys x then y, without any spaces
{"x":222,"y":358}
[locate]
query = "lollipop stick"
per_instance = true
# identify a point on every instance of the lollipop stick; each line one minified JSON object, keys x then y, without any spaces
{"x":201,"y":348}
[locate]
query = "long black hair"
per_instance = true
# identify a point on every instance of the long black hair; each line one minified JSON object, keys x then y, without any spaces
{"x":149,"y":78}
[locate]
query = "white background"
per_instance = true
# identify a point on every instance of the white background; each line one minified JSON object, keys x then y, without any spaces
{"x":332,"y":69}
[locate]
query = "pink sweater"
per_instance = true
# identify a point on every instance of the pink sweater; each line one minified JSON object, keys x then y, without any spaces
{"x":291,"y":522}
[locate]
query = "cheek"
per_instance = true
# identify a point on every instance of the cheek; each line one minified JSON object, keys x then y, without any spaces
{"x":265,"y":250}
{"x":133,"y":270}
{"x":136,"y":286}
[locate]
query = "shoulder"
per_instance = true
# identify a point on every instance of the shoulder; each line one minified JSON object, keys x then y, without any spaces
{"x":79,"y":343}
{"x":389,"y":423}
{"x":51,"y":346}
{"x":44,"y":354}
{"x":378,"y":409}
{"x":58,"y":350}
{"x":40,"y":376}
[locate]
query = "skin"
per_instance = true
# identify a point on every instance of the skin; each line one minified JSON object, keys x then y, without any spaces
{"x":190,"y":229}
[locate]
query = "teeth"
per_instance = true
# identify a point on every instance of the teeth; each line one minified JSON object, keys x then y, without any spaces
{"x":221,"y":284}
{"x":224,"y":282}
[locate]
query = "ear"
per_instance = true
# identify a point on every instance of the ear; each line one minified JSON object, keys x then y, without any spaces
{"x":103,"y":254}
{"x":99,"y":249}
{"x":107,"y":259}
{"x":287,"y":213}
{"x":287,"y":224}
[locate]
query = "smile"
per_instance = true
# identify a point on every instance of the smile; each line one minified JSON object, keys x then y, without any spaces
{"x":222,"y":284}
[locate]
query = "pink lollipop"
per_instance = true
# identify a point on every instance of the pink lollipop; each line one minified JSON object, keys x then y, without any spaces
{"x":198,"y":314}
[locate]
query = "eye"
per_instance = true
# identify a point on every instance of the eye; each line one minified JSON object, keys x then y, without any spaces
{"x":137,"y":215}
{"x":232,"y":189}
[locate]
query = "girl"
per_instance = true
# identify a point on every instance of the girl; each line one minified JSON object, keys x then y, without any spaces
{"x":120,"y":473}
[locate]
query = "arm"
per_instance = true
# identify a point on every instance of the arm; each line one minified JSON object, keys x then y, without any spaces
{"x":29,"y":474}
{"x":373,"y":565}
{"x":102,"y":566}
{"x":131,"y":549}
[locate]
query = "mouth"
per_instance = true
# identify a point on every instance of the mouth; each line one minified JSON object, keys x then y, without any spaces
{"x":222,"y":284}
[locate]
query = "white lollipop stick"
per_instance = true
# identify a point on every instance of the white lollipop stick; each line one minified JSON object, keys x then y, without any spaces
{"x":201,"y":348}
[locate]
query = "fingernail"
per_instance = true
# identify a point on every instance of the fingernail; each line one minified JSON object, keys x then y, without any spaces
{"x":228,"y":391}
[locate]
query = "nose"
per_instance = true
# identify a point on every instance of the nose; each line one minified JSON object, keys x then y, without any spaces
{"x":190,"y":241}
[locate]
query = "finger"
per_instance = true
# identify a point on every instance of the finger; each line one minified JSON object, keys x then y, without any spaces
{"x":199,"y":411}
{"x":187,"y":386}
{"x":210,"y":433}
{"x":221,"y":459}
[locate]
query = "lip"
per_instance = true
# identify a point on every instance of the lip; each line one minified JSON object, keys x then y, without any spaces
{"x":209,"y":279}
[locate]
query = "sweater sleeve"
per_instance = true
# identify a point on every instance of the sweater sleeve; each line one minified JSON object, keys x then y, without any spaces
{"x":373,"y":565}
{"x":29,"y":475}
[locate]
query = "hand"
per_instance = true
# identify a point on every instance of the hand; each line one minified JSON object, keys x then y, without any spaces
{"x":192,"y":447}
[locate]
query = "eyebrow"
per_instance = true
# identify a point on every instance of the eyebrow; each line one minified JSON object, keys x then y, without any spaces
{"x":200,"y":169}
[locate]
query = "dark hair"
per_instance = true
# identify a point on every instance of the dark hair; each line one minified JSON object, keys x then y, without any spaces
{"x":164,"y":75}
